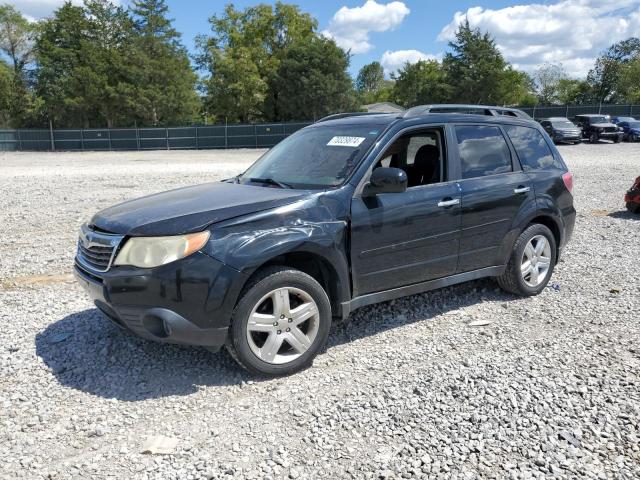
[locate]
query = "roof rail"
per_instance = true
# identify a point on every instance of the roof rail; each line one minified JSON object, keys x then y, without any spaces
{"x":337,"y":116}
{"x":489,"y":110}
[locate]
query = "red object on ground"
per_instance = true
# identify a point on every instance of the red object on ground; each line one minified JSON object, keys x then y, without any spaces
{"x":632,"y":197}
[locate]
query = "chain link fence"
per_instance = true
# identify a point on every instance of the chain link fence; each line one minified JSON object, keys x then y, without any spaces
{"x":175,"y":138}
{"x":264,"y":135}
{"x":571,"y":111}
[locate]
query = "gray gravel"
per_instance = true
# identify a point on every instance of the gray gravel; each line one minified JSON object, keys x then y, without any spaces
{"x":549,"y":389}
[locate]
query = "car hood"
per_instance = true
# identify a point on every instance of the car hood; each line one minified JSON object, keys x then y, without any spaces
{"x":190,"y":209}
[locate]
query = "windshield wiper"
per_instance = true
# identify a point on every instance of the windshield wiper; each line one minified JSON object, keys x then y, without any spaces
{"x":269,"y":181}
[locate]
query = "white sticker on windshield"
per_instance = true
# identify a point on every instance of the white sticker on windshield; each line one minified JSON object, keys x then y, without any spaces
{"x":346,"y":141}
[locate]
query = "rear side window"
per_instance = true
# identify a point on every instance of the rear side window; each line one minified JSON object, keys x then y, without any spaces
{"x":532,"y":149}
{"x":483,"y":151}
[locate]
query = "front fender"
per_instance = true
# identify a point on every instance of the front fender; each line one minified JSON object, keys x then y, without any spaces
{"x":248,"y":243}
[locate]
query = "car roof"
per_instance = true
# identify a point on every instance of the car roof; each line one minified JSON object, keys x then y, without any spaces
{"x":592,"y":115}
{"x":551,"y":119}
{"x":386,"y":119}
{"x":359,"y":118}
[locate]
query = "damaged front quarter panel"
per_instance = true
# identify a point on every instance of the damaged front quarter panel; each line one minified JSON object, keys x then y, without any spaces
{"x":315,"y":226}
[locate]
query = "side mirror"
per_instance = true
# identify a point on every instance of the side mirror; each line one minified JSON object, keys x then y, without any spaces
{"x":386,"y":180}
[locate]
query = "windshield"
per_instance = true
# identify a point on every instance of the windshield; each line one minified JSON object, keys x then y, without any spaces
{"x":634,"y":124}
{"x":564,"y":124}
{"x":598,"y":120}
{"x":321,"y":156}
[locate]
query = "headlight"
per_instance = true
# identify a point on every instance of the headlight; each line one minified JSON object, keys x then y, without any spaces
{"x":149,"y":252}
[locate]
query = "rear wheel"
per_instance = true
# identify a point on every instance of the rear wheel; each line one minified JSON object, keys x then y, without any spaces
{"x":531,"y":262}
{"x":281,"y":322}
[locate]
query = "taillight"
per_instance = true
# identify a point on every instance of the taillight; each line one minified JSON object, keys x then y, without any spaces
{"x":567,"y":178}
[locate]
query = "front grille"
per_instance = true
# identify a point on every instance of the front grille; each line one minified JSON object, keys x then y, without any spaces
{"x":96,"y":250}
{"x":96,"y":257}
{"x":610,"y":129}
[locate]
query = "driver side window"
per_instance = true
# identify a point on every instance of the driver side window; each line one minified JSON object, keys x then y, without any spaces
{"x":420,"y":155}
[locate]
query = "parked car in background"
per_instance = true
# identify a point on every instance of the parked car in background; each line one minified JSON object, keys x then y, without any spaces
{"x":562,"y":130}
{"x":630,"y":130}
{"x":596,"y":127}
{"x":618,"y":120}
{"x":350,"y":211}
{"x":632,"y":197}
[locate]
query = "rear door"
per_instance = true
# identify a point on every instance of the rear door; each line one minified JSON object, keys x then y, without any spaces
{"x":544,"y":165}
{"x":494,"y":191}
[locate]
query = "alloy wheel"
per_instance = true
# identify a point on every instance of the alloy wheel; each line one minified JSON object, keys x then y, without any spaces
{"x":283,"y":325}
{"x":536,"y":261}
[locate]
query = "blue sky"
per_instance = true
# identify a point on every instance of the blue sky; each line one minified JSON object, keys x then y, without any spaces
{"x":567,"y":32}
{"x":418,"y":31}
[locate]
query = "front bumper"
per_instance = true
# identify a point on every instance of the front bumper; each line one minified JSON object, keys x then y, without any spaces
{"x":632,"y":136}
{"x":610,"y":135}
{"x":188,"y":302}
{"x":568,"y":137}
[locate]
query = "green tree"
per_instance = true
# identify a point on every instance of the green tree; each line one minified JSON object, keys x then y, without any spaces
{"x":629,"y":81}
{"x":370,"y":78}
{"x":242,"y":59}
{"x":573,"y":91}
{"x":6,"y":81}
{"x":476,"y":70}
{"x":16,"y":44}
{"x":516,"y":88}
{"x":314,"y":77}
{"x":604,"y":77}
{"x":547,"y":79}
{"x":236,"y":92}
{"x":16,"y":38}
{"x":421,"y":83}
{"x":162,"y":77}
{"x":83,"y":56}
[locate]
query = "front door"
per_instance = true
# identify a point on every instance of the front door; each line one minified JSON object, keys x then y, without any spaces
{"x":399,"y":239}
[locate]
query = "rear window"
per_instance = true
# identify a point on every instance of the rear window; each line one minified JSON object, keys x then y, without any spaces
{"x":483,"y":151}
{"x":532,"y":149}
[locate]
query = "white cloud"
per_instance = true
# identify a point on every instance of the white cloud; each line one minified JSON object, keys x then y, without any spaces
{"x":37,"y":9}
{"x":570,"y":32}
{"x":392,"y":61}
{"x":350,"y":27}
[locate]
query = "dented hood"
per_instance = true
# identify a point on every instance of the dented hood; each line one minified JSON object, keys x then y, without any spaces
{"x":190,"y":209}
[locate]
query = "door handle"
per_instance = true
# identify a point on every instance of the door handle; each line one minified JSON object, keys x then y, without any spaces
{"x":449,"y":203}
{"x":522,"y":190}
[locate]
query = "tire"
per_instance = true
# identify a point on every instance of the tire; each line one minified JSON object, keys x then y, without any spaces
{"x":616,"y":139}
{"x":593,"y":138}
{"x":513,"y":280}
{"x":633,"y":207}
{"x":271,"y":345}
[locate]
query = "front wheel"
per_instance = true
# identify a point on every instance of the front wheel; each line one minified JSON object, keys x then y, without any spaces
{"x":633,"y":207}
{"x":281,"y":322}
{"x":593,"y":138}
{"x":531,"y":262}
{"x":616,"y":139}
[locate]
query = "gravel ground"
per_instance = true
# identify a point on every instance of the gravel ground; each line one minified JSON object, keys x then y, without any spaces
{"x":549,"y":389}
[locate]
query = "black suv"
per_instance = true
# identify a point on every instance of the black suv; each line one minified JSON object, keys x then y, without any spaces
{"x":561,"y":130}
{"x":344,"y":213}
{"x":594,"y":127}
